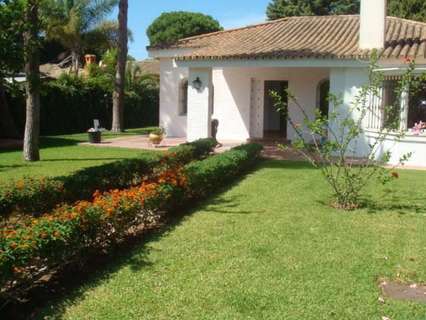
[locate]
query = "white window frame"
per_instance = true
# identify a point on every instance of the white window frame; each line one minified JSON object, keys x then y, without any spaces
{"x":404,"y":99}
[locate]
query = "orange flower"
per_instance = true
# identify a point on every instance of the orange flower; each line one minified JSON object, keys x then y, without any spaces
{"x":97,"y":194}
{"x":17,"y":270}
{"x":20,"y":184}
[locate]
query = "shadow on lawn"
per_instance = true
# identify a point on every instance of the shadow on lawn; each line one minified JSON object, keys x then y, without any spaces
{"x":84,"y":159}
{"x":8,"y":167}
{"x":391,"y":201}
{"x":69,"y":286}
{"x":286,"y":164}
{"x":55,"y":142}
{"x":228,"y":205}
{"x":398,"y":204}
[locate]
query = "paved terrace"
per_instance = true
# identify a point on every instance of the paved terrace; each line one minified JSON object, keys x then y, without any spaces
{"x":142,"y":142}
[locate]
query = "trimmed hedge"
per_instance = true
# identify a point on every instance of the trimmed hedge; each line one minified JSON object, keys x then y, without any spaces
{"x":36,"y":196}
{"x":33,"y":248}
{"x":69,"y":105}
{"x":207,"y":175}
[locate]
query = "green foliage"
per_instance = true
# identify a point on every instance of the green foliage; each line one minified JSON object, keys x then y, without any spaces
{"x":172,"y":26}
{"x":36,"y":196}
{"x":408,"y":9}
{"x":288,"y":8}
{"x":80,"y":25}
{"x":71,"y":103}
{"x":206,"y":176}
{"x":198,"y":149}
{"x":158,"y":131}
{"x":11,"y":43}
{"x":29,"y":249}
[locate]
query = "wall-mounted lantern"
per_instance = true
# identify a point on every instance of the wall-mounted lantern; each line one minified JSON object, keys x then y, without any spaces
{"x":197,"y":83}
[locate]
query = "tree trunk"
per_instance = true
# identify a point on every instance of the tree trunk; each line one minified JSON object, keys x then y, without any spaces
{"x":118,"y":95}
{"x":32,"y":121}
{"x":7,"y":124}
{"x":75,"y":62}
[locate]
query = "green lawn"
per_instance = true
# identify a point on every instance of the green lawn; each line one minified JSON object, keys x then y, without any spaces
{"x":269,"y":248}
{"x":61,"y":155}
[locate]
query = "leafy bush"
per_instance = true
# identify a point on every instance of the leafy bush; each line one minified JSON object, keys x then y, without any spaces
{"x":193,"y":150}
{"x":70,"y":104}
{"x":37,"y":196}
{"x":29,"y":249}
{"x":205,"y":176}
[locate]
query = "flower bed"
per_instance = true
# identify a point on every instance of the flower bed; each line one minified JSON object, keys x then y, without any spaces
{"x":36,"y":196}
{"x":32,"y":248}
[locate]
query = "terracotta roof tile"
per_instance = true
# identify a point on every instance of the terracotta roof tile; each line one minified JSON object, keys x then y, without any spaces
{"x":306,"y":37}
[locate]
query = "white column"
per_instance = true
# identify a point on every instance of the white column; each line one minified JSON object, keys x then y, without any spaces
{"x":199,"y":117}
{"x":404,"y":110}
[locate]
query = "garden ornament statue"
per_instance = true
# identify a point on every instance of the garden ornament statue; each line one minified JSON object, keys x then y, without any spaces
{"x":215,"y":126}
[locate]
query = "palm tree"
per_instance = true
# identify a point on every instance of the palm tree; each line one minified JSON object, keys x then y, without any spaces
{"x":120,"y":78}
{"x":31,"y":43}
{"x":76,"y":24}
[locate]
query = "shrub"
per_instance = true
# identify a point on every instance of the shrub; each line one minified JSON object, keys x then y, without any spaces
{"x":70,"y":104}
{"x":36,"y":196}
{"x":205,"y":176}
{"x":29,"y":249}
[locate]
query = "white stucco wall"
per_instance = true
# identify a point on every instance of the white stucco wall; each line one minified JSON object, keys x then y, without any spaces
{"x":345,"y":84}
{"x":232,"y":93}
{"x":170,"y":79}
{"x":199,"y":100}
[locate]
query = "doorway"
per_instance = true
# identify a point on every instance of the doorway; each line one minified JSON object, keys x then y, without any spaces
{"x":274,"y":122}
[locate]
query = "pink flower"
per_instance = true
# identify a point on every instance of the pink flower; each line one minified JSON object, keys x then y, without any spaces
{"x":418,"y":127}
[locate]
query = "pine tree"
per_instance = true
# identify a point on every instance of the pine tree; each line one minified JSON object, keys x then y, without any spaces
{"x":287,"y":8}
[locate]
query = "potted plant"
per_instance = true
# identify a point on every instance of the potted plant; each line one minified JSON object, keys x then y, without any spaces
{"x":156,"y":136}
{"x":95,"y":135}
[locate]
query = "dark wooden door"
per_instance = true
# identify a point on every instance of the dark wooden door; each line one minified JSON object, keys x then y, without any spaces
{"x":274,"y":122}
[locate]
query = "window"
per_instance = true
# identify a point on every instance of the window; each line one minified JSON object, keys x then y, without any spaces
{"x":391,"y":105}
{"x":323,"y":92}
{"x":183,"y":97}
{"x":417,"y":105}
{"x":395,"y":111}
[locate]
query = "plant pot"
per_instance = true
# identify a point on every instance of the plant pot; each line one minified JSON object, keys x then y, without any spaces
{"x":95,"y":137}
{"x":155,"y":139}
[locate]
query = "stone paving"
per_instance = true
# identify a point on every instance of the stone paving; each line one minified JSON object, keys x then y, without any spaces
{"x":142,"y":142}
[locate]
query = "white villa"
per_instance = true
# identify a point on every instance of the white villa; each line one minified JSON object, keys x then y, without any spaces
{"x":227,"y":75}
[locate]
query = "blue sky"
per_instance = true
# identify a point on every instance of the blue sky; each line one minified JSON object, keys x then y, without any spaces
{"x":230,"y":13}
